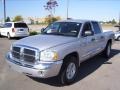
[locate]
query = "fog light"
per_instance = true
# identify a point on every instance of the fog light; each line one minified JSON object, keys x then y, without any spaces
{"x":41,"y":73}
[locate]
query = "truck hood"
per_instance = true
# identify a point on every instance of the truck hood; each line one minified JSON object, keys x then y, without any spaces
{"x":43,"y":42}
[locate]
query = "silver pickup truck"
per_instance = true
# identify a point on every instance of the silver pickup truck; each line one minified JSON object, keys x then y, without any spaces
{"x":60,"y":49}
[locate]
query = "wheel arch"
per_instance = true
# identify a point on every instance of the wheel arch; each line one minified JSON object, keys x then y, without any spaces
{"x":109,"y":41}
{"x":75,"y":54}
{"x":65,"y":62}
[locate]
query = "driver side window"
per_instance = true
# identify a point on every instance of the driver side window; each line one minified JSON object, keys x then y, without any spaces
{"x":87,"y":30}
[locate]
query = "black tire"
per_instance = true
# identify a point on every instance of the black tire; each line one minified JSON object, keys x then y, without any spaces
{"x":107,"y":50}
{"x":0,"y":35}
{"x":8,"y":36}
{"x":118,"y":38}
{"x":64,"y":75}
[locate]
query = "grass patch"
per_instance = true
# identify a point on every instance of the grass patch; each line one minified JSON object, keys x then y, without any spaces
{"x":33,"y":33}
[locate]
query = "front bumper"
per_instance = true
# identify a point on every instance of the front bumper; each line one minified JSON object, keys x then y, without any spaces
{"x":41,"y":70}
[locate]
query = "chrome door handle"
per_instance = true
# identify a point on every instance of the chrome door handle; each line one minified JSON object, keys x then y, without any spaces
{"x":102,"y":37}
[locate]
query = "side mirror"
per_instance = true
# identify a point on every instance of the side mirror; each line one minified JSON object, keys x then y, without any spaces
{"x":88,"y":33}
{"x":42,"y":30}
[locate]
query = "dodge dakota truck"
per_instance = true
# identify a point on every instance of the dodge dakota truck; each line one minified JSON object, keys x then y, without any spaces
{"x":59,"y":49}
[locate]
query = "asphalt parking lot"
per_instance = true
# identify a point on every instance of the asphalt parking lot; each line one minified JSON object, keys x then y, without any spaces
{"x":97,"y":73}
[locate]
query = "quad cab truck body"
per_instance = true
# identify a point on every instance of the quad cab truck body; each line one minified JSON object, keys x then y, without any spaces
{"x":60,"y":49}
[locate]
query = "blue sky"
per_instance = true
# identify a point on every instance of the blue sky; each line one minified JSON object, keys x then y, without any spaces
{"x":102,"y":10}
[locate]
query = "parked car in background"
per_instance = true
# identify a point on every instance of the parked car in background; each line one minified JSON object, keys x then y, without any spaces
{"x":0,"y":28}
{"x":117,"y":35}
{"x":14,"y":29}
{"x":60,"y":49}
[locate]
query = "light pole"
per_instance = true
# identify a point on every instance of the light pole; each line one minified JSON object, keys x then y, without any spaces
{"x":119,"y":19}
{"x":67,"y":9}
{"x":4,"y":6}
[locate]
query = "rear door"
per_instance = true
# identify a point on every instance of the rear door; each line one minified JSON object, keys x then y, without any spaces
{"x":21,"y":28}
{"x":100,"y":38}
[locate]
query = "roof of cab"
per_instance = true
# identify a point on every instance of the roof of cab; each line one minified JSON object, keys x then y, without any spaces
{"x":76,"y":20}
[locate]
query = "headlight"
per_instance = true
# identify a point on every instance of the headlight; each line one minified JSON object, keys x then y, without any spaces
{"x":48,"y":55}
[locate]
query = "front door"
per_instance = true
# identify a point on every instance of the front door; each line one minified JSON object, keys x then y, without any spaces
{"x":87,"y":42}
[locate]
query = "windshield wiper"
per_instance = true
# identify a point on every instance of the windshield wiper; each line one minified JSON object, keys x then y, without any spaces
{"x":61,"y":34}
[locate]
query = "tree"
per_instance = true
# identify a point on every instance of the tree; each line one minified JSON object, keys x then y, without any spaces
{"x":50,"y":6}
{"x":58,"y":18}
{"x":119,"y":22}
{"x":7,"y":19}
{"x":36,"y":22}
{"x":18,"y":18}
{"x":113,"y":21}
{"x":49,"y":20}
{"x":32,"y":21}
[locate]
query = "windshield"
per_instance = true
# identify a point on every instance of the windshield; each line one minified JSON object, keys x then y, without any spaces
{"x":63,"y":28}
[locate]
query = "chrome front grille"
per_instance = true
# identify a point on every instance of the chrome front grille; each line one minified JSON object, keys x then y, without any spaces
{"x":24,"y":54}
{"x":29,"y":55}
{"x":16,"y":52}
{"x":29,"y":52}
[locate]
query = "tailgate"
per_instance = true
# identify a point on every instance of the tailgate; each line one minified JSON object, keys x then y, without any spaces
{"x":21,"y":30}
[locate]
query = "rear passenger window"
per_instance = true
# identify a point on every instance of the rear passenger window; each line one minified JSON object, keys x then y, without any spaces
{"x":96,"y":27}
{"x":20,"y":25}
{"x":7,"y":25}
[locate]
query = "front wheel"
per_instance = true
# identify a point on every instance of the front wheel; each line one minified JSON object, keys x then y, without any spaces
{"x":69,"y":70}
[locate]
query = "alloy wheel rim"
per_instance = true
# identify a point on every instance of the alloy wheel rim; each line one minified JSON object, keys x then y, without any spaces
{"x":71,"y":70}
{"x":108,"y":50}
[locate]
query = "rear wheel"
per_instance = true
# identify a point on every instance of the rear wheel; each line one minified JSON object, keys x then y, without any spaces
{"x":118,"y":38}
{"x":69,"y":70}
{"x":0,"y":35}
{"x":107,"y":50}
{"x":8,"y":36}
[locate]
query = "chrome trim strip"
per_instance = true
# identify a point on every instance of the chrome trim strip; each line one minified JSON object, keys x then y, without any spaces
{"x":32,"y":48}
{"x":28,"y":55}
